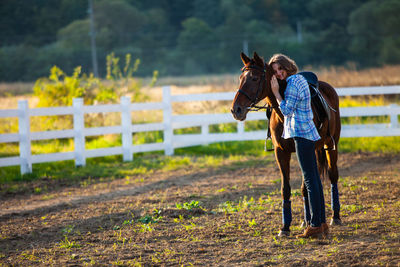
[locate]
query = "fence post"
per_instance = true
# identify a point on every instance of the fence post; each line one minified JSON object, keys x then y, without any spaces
{"x":167,"y":117}
{"x":126,"y":124}
{"x":394,"y":121}
{"x":24,"y":137}
{"x":204,"y":132}
{"x":79,"y":139}
{"x":240,"y":127}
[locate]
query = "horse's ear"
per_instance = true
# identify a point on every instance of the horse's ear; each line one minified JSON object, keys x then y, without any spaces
{"x":244,"y":58}
{"x":259,"y":61}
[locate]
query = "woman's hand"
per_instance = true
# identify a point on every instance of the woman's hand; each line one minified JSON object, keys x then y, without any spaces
{"x":275,"y":89}
{"x":274,"y":85}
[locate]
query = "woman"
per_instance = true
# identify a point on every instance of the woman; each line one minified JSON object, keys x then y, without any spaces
{"x":299,"y":125}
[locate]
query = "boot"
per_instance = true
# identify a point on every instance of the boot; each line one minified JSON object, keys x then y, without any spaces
{"x":310,"y":231}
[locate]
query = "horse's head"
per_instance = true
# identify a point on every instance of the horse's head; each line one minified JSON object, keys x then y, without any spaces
{"x":253,"y":87}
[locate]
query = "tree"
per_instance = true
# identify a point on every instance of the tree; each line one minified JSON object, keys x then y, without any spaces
{"x":295,"y":11}
{"x":118,"y":23}
{"x":75,"y":35}
{"x":37,"y":22}
{"x":375,"y":30}
{"x":196,"y":42}
{"x":209,"y":11}
{"x":327,"y":28}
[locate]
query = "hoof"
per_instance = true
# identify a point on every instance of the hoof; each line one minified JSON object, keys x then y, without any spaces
{"x":325,"y":229}
{"x":283,"y":233}
{"x":336,"y":221}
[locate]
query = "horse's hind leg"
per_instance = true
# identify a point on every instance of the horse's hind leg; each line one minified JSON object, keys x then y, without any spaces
{"x":332,"y":156}
{"x":283,"y":160}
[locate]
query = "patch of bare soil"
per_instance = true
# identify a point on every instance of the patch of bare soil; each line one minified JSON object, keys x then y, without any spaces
{"x":226,"y":216}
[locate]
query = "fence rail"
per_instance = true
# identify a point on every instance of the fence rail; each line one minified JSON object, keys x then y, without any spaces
{"x":170,"y":122}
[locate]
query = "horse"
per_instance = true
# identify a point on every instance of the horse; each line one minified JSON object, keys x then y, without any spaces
{"x":255,"y":85}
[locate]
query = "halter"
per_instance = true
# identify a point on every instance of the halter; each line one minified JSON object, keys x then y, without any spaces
{"x":253,"y":106}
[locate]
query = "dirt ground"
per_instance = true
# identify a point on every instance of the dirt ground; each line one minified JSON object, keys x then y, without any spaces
{"x":224,"y":216}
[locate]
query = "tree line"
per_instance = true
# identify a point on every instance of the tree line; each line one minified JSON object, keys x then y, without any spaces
{"x":180,"y":37}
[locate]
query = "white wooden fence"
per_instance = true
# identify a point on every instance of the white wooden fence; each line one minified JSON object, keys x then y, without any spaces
{"x":170,"y":122}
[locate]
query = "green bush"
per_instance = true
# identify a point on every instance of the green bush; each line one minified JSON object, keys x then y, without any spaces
{"x":59,"y":89}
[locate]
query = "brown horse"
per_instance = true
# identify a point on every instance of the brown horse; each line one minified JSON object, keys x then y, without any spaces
{"x":255,"y":85}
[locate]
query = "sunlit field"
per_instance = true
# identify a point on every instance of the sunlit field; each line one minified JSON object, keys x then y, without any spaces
{"x":339,"y":77}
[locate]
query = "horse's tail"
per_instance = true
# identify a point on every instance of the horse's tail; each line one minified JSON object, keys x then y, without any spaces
{"x":322,"y":163}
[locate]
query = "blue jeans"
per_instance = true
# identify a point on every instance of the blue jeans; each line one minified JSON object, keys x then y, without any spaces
{"x":305,"y":150}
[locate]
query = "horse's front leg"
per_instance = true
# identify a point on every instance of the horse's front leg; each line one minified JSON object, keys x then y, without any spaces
{"x":283,"y":160}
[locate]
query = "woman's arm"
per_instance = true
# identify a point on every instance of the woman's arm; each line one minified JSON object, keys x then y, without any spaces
{"x":287,"y":105}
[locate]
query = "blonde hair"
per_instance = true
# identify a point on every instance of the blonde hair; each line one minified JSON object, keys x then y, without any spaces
{"x":285,"y":62}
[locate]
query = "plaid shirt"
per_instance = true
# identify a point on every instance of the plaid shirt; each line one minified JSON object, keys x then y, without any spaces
{"x":296,"y":107}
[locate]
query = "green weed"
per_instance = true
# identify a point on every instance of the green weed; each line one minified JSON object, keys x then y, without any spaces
{"x":244,"y":204}
{"x":188,"y":206}
{"x":300,"y":242}
{"x":155,"y":217}
{"x":276,"y":181}
{"x":68,"y":229}
{"x":228,"y":207}
{"x":352,"y":208}
{"x":356,"y":226}
{"x":37,"y":190}
{"x":147,"y":219}
{"x":145,"y":228}
{"x":30,"y":257}
{"x":128,"y":222}
{"x":221,"y":190}
{"x":332,"y":251}
{"x":276,"y":241}
{"x":188,"y":227}
{"x":68,"y":244}
{"x":257,"y":233}
{"x":48,"y":197}
{"x":252,"y":223}
{"x":179,"y":219}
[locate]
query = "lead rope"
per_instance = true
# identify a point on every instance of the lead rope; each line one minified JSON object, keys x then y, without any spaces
{"x":268,"y":113}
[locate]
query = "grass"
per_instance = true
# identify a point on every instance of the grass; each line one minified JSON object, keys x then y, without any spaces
{"x":390,"y":144}
{"x":237,"y":154}
{"x":112,"y":167}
